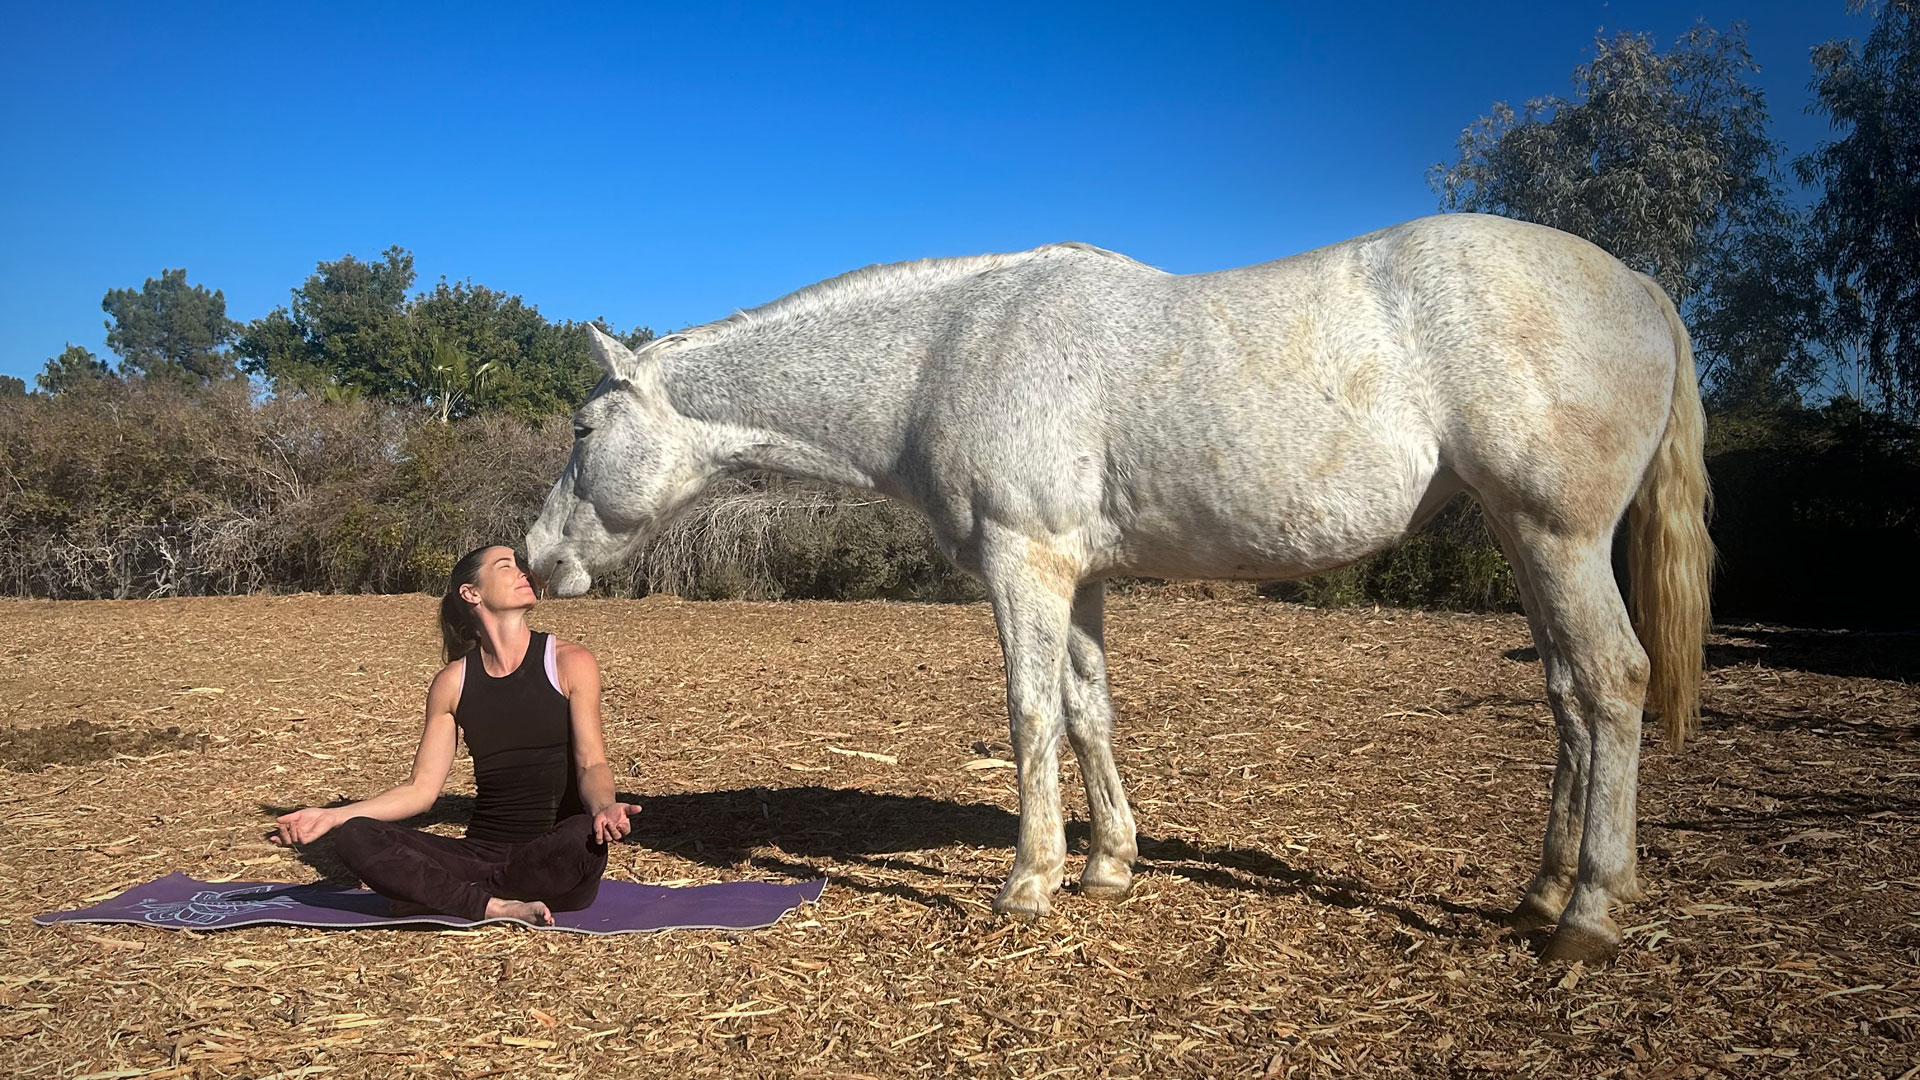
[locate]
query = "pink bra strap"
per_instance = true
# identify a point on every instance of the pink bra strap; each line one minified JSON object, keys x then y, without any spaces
{"x":553,"y":669}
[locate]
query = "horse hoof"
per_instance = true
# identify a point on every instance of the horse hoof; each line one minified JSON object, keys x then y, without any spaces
{"x":1106,"y":877}
{"x":1028,"y":903}
{"x":1628,"y":892}
{"x":1106,"y":888}
{"x":1570,"y":943}
{"x":1532,"y":914}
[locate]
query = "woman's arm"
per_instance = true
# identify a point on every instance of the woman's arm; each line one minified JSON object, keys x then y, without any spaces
{"x":580,"y":681}
{"x":431,"y":763}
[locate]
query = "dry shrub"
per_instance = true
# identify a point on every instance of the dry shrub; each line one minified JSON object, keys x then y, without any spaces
{"x":148,"y":490}
{"x":136,"y":490}
{"x":1454,"y":564}
{"x":770,"y":538}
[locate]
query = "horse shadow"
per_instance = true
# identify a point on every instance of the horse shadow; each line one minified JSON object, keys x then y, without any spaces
{"x":816,"y":825}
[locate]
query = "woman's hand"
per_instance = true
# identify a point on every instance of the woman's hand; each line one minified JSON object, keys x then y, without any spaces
{"x":612,"y":823}
{"x":304,"y":826}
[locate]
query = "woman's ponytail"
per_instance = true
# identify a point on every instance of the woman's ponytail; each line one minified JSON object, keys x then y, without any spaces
{"x":459,"y":630}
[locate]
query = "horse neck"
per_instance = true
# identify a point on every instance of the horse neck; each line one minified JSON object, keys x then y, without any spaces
{"x":818,"y":400}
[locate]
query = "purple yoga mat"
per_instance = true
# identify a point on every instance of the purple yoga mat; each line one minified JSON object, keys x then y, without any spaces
{"x":178,"y":902}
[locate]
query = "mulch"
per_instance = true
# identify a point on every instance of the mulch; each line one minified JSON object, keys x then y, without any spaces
{"x":1336,"y":809}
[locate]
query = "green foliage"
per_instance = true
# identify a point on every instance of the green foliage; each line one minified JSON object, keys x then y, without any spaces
{"x":11,"y":386}
{"x":496,"y":354}
{"x":1657,"y":158}
{"x":168,"y":329}
{"x":74,"y":368}
{"x":459,"y":349}
{"x":1868,"y":215}
{"x":343,"y":327}
{"x":1757,"y":325}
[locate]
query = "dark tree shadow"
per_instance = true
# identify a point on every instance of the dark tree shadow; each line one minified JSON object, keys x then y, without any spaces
{"x":1868,"y":732}
{"x":1892,"y":655}
{"x":1795,"y":809}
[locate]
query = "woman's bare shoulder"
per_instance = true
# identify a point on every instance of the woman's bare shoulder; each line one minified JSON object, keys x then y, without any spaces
{"x":576,"y":667}
{"x":449,"y":679}
{"x":565,"y":651}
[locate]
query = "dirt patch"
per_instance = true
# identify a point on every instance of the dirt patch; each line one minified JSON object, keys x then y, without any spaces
{"x":1335,"y":811}
{"x":78,"y":742}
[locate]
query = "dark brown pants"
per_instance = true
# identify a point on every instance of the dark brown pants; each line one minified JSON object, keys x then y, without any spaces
{"x":458,"y":876}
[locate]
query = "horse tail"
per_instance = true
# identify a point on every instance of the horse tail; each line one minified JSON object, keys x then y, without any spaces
{"x":1669,"y":554}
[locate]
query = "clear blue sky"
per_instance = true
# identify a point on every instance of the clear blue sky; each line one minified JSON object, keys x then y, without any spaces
{"x":666,"y":164}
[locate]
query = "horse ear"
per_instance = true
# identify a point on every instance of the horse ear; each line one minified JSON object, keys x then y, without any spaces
{"x":617,"y":360}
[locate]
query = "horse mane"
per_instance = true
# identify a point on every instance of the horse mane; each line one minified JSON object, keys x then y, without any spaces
{"x":877,"y":281}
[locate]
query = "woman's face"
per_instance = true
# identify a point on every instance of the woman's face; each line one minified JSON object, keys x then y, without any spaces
{"x":504,"y":584}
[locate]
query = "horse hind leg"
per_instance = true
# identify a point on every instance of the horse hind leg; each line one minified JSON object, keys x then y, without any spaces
{"x":1112,"y":846}
{"x":1596,"y":684}
{"x":1553,"y":882}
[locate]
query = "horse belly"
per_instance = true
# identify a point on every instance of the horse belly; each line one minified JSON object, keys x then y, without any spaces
{"x":1239,"y":511}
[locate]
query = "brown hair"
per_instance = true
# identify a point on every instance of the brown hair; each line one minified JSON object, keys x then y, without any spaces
{"x":459,"y":630}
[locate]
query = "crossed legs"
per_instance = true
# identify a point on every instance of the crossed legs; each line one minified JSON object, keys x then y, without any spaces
{"x":459,"y":876}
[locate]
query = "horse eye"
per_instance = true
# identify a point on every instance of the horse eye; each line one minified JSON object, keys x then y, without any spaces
{"x":581,"y":431}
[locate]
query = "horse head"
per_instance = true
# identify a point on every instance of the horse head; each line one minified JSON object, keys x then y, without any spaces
{"x":635,"y":462}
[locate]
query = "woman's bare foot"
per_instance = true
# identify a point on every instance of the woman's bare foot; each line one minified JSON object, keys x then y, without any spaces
{"x":528,"y":911}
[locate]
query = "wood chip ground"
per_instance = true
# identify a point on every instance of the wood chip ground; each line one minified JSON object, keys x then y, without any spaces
{"x":1335,"y":811}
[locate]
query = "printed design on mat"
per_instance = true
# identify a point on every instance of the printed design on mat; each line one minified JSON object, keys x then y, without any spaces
{"x":206,"y":908}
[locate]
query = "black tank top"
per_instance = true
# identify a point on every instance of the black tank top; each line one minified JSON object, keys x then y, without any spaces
{"x":519,"y":729}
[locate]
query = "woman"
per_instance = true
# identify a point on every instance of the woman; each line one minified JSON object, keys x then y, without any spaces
{"x":544,"y":808}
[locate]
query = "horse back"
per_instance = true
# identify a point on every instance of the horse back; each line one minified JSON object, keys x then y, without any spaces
{"x":1288,"y":417}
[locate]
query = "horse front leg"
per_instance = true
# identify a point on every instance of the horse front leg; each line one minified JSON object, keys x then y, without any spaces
{"x":1032,"y":606}
{"x":1089,"y":708}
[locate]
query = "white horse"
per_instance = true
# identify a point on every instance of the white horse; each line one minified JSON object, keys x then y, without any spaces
{"x":1066,"y":414}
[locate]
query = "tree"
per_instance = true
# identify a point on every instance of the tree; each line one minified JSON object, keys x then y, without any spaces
{"x":1658,"y":157}
{"x":12,"y":386}
{"x":169,"y":329}
{"x":479,"y":350}
{"x":459,"y":348}
{"x":453,"y":383}
{"x":73,"y":369}
{"x":342,"y":329}
{"x":1868,"y":216}
{"x":1760,"y":317}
